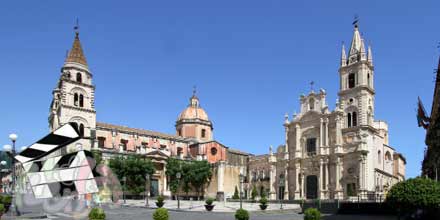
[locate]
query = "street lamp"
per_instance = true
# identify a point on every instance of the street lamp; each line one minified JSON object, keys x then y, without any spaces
{"x":281,"y":184}
{"x":241,"y":185}
{"x":147,"y":180}
{"x":178,"y":176}
{"x":11,"y":152}
{"x":124,"y":180}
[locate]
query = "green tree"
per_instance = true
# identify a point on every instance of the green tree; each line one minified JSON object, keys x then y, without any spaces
{"x":134,"y":168}
{"x":236,"y":196}
{"x":173,"y":166}
{"x":97,"y":155}
{"x":254,"y":193}
{"x":413,"y":194}
{"x":200,"y":173}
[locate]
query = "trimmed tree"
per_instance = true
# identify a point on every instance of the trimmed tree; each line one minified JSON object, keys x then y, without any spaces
{"x":254,"y":193}
{"x":417,"y":193}
{"x":236,"y":196}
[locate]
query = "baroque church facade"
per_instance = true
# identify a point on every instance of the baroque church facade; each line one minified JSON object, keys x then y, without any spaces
{"x":327,"y":154}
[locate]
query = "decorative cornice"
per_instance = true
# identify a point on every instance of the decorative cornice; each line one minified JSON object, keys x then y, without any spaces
{"x":78,"y":108}
{"x":356,"y":89}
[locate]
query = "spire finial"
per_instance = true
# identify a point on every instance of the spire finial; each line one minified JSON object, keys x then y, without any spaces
{"x":76,"y":27}
{"x":311,"y":85}
{"x":356,"y":21}
{"x":194,"y":90}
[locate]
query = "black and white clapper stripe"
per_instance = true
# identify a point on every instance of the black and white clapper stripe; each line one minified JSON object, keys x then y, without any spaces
{"x":61,"y":137}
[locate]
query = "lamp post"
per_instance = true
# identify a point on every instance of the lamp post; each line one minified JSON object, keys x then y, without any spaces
{"x":11,"y":152}
{"x":281,"y":184}
{"x":241,"y":185}
{"x":124,"y":179}
{"x":178,"y":176}
{"x":147,"y":181}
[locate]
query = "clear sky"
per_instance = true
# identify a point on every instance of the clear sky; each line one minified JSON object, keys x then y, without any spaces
{"x":250,"y":60}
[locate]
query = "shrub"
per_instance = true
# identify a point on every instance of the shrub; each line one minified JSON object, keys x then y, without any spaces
{"x":6,"y":199}
{"x":312,"y":214}
{"x":161,"y":214}
{"x":2,"y":209}
{"x":209,"y":201}
{"x":160,"y":201}
{"x":413,"y":194}
{"x":254,"y":193}
{"x":97,"y":214}
{"x":241,"y":214}
{"x":263,"y":203}
{"x":236,"y":196}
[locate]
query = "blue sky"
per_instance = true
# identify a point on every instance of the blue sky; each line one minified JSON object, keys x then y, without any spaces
{"x":249,"y":59}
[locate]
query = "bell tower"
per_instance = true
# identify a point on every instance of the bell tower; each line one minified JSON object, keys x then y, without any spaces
{"x":356,"y":74}
{"x":74,"y":95}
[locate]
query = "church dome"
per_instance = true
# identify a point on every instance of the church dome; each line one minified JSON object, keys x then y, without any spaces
{"x":193,"y":111}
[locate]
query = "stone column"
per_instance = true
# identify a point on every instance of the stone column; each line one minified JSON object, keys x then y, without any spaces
{"x":321,"y":178}
{"x":298,"y":141}
{"x":338,"y":191}
{"x":326,"y":132}
{"x":327,"y":172}
{"x":165,"y":191}
{"x":286,"y":182}
{"x":297,"y":182}
{"x":273,"y":177}
{"x":338,"y":135}
{"x":302,"y":185}
{"x":362,"y":174}
{"x":220,"y":181}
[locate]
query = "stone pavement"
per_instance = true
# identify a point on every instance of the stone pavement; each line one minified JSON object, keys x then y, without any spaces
{"x":197,"y":206}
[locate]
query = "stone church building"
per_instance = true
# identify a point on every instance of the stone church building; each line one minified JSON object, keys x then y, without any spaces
{"x":327,"y":154}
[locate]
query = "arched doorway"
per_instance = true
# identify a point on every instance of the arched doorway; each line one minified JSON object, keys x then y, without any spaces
{"x":312,"y":187}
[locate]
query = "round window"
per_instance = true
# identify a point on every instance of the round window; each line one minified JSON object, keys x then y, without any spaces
{"x":213,"y":151}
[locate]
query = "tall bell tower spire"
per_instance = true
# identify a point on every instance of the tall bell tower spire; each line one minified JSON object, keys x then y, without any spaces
{"x":74,"y":94}
{"x":356,"y":77}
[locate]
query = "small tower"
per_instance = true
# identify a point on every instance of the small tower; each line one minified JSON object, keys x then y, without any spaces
{"x":193,"y":122}
{"x":73,"y":96}
{"x":356,"y":95}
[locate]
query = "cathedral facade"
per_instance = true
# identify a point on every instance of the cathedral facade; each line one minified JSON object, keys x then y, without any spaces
{"x":327,"y":154}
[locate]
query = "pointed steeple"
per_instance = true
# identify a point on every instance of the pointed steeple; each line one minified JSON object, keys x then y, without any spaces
{"x":76,"y":54}
{"x":343,"y":56}
{"x":362,"y":51}
{"x":355,"y":42}
{"x":370,"y":55}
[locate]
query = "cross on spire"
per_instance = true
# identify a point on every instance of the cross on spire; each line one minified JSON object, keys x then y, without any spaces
{"x":194,"y":90}
{"x":76,"y":27}
{"x":311,"y":85}
{"x":356,"y":20}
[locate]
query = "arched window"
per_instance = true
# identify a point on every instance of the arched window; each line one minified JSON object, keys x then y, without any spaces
{"x":75,"y":125}
{"x":79,"y":77}
{"x":349,"y":120}
{"x":354,"y":115}
{"x":81,"y":130}
{"x":203,"y":133}
{"x":351,"y":80}
{"x":75,"y":99}
{"x":379,"y":157}
{"x":312,"y":104}
{"x":388,"y":156}
{"x":81,"y":100}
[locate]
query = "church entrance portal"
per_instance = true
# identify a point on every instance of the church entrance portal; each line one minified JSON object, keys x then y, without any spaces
{"x":312,"y":187}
